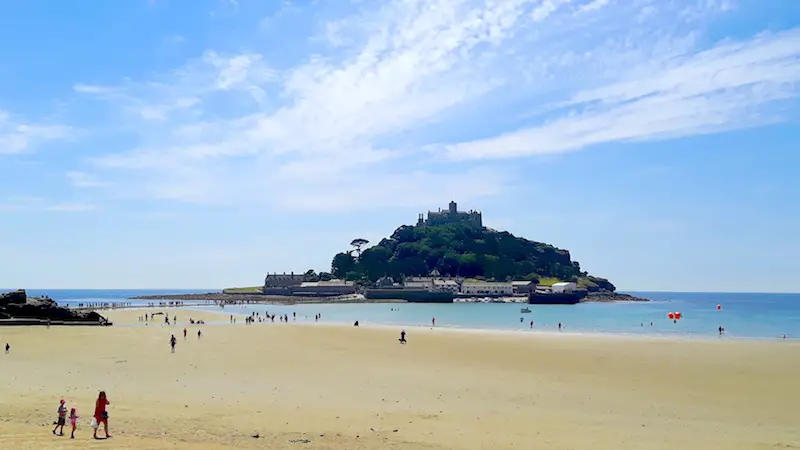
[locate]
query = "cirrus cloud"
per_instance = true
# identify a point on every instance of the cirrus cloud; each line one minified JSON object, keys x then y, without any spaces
{"x":355,"y":122}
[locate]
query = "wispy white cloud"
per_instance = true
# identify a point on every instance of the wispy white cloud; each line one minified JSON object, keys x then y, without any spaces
{"x":721,"y":88}
{"x":17,"y":136}
{"x":26,"y":203}
{"x":348,"y":126}
{"x":84,"y":180}
{"x":71,"y":207}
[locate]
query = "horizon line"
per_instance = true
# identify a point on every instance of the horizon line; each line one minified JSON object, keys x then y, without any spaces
{"x":2,"y":290}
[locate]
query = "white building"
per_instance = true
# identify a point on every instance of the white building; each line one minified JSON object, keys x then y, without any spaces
{"x":562,"y":287}
{"x":487,"y":288}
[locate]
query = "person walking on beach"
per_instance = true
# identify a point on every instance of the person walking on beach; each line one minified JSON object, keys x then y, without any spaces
{"x":8,"y":348}
{"x":173,"y":342}
{"x":73,"y":421}
{"x":199,"y":334}
{"x":184,"y":334}
{"x":402,"y":337}
{"x":100,"y":413}
{"x":62,"y":417}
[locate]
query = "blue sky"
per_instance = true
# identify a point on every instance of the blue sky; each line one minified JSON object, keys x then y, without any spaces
{"x":202,"y":143}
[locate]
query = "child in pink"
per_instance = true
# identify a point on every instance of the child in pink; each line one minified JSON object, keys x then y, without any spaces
{"x":73,"y":420}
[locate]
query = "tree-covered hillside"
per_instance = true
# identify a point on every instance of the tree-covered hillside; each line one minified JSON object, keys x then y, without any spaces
{"x":460,"y":250}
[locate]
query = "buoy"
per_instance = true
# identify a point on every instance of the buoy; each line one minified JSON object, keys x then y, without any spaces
{"x":719,"y":307}
{"x":671,"y":315}
{"x":677,"y":315}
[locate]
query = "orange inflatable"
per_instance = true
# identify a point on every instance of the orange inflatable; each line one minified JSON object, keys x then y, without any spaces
{"x":671,"y":315}
{"x":677,"y":315}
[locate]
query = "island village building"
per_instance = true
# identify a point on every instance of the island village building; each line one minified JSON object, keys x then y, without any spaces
{"x":295,"y":283}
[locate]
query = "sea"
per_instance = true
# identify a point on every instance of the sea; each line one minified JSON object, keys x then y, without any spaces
{"x":743,"y":315}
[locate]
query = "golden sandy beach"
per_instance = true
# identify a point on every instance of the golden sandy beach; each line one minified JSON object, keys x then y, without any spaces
{"x":327,"y":387}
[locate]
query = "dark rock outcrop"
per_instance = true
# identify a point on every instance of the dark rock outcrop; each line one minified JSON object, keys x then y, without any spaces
{"x":16,"y":297}
{"x":17,"y":305}
{"x":609,"y":296}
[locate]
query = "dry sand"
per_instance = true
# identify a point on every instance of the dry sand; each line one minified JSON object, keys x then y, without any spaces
{"x":319,"y":387}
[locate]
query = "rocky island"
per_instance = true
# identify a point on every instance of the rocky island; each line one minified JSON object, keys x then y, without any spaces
{"x":16,"y":308}
{"x":453,"y":244}
{"x":450,"y":249}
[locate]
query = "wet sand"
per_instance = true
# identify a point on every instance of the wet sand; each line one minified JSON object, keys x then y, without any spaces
{"x":338,"y":387}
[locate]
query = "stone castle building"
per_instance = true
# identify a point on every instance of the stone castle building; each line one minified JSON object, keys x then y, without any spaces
{"x":451,"y":215}
{"x":281,"y":280}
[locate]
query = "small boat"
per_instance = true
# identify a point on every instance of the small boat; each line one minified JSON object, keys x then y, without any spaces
{"x":525,"y":310}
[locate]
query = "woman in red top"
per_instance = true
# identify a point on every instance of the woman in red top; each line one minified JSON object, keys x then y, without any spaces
{"x":100,"y":413}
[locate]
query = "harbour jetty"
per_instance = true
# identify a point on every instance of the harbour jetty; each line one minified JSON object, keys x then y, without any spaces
{"x":255,"y":298}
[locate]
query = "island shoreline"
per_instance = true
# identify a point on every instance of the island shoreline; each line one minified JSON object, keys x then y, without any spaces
{"x":237,"y":298}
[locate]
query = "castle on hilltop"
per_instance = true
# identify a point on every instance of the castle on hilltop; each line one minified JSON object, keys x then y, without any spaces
{"x":451,"y":215}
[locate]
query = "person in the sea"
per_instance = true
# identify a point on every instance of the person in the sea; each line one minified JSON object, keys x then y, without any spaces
{"x":62,"y":417}
{"x":531,"y":324}
{"x":73,"y":421}
{"x":402,"y":337}
{"x":100,"y":413}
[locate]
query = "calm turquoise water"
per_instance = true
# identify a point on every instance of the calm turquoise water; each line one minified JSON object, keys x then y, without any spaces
{"x":742,"y":315}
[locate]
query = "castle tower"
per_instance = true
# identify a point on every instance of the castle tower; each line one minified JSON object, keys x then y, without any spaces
{"x":453,"y":208}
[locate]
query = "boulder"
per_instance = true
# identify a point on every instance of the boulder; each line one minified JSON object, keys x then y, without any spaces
{"x":16,"y":297}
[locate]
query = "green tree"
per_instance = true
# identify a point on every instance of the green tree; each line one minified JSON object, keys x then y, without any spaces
{"x":342,"y":264}
{"x":358,"y":243}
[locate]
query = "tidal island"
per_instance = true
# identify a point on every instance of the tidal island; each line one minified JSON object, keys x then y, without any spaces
{"x":447,"y":256}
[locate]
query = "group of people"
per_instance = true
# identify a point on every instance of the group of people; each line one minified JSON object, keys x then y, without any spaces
{"x":100,"y":417}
